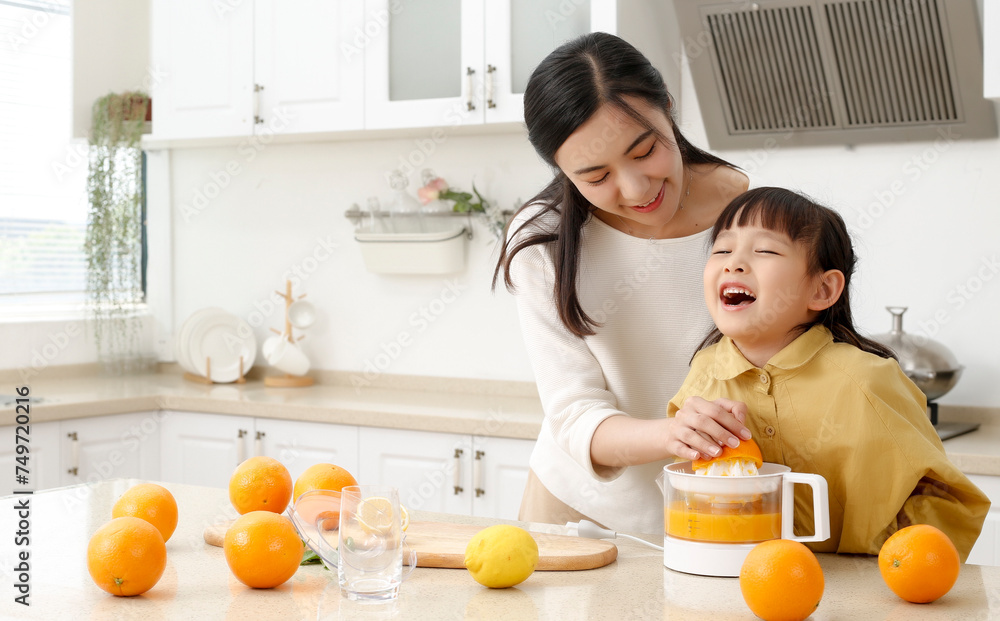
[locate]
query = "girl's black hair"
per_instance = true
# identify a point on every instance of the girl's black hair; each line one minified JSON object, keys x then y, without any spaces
{"x":567,"y":88}
{"x":823,"y":232}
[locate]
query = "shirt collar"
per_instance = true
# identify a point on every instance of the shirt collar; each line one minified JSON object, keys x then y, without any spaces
{"x":730,"y":362}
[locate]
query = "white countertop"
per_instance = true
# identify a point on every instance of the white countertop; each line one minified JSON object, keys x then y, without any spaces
{"x":197,"y":583}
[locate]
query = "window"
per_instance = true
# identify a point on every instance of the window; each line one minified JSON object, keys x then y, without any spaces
{"x":43,"y":170}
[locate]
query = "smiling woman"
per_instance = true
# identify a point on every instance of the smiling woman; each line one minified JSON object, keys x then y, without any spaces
{"x":606,"y":266}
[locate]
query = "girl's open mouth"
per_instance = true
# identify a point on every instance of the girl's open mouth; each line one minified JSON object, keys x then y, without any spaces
{"x":651,"y":205}
{"x":733,"y":296}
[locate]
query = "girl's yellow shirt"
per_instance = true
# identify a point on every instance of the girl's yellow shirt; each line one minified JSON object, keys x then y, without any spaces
{"x":854,"y":418}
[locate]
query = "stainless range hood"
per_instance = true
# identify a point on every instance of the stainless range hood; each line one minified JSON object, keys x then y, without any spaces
{"x":820,"y":72}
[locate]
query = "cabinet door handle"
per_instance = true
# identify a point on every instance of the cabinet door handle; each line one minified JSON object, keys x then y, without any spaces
{"x":74,"y":454}
{"x":477,"y":474}
{"x":257,"y":118}
{"x":240,"y":449}
{"x":456,"y":472}
{"x":258,"y":444}
{"x":470,"y":83}
{"x":491,"y":86}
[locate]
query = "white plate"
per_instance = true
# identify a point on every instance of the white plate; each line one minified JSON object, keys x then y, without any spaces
{"x":224,"y":338}
{"x":182,"y":345}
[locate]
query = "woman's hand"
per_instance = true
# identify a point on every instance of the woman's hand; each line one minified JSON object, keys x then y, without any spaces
{"x":700,"y":427}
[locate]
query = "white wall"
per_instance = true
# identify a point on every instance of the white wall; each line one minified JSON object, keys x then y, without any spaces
{"x":284,"y":211}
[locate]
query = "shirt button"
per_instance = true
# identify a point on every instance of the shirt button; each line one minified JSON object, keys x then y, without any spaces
{"x":769,"y":430}
{"x":763,"y":378}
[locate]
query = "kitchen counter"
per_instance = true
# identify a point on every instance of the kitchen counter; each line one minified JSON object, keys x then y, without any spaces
{"x":487,"y":408}
{"x":197,"y":584}
{"x":478,"y":407}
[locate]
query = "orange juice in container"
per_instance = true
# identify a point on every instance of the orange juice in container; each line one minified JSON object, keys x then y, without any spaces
{"x":715,"y":511}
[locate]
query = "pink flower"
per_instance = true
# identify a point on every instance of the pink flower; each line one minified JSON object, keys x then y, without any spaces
{"x":432,"y":190}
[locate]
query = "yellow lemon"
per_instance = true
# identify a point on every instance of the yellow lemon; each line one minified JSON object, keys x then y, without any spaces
{"x":501,"y":556}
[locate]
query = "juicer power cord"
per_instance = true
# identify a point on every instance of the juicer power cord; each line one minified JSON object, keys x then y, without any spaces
{"x":586,"y":528}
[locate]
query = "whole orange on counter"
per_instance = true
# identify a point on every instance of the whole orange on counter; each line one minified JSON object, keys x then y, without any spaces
{"x":322,"y":476}
{"x":262,"y":549}
{"x":150,"y":502}
{"x":126,"y":556}
{"x":919,"y":563}
{"x":260,"y":484}
{"x":781,"y":580}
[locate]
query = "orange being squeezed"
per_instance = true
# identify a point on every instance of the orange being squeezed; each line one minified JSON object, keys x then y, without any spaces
{"x":736,"y":523}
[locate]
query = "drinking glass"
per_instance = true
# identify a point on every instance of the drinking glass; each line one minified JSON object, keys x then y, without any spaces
{"x":370,"y":543}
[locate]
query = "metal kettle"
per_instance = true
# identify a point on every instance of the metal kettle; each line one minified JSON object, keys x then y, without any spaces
{"x":931,"y":365}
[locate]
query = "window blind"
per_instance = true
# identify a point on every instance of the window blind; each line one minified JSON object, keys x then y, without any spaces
{"x":43,"y":171}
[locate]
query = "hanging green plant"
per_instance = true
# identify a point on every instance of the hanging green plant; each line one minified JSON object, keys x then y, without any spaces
{"x":113,"y":243}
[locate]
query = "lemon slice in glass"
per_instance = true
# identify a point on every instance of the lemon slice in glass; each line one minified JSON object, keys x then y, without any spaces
{"x":375,"y":515}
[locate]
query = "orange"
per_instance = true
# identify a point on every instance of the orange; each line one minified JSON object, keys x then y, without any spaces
{"x":126,"y":556}
{"x":919,"y":563}
{"x":262,"y":549}
{"x":747,"y":449}
{"x":260,"y":484}
{"x":781,"y":580}
{"x":150,"y":502}
{"x":322,"y":476}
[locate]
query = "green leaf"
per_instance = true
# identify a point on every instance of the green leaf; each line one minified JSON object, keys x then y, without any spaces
{"x":311,"y":558}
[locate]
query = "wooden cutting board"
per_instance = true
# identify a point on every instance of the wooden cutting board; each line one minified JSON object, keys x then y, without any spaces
{"x":439,"y":544}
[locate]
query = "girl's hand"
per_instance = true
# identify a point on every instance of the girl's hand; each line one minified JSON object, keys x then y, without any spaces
{"x":700,"y":427}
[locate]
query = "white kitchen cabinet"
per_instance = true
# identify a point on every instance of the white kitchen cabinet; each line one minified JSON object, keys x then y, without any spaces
{"x":500,"y":476}
{"x":426,"y":467}
{"x":43,"y":456}
{"x":987,"y":548}
{"x":108,"y":447}
{"x":448,"y":473}
{"x":203,"y":449}
{"x":202,"y":57}
{"x":233,"y":68}
{"x":463,"y":62}
{"x":299,"y":444}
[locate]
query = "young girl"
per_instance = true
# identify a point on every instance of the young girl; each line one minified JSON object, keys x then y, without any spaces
{"x":605,"y":263}
{"x":821,"y":398}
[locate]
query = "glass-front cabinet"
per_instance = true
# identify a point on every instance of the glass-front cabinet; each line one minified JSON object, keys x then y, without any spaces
{"x":439,"y":63}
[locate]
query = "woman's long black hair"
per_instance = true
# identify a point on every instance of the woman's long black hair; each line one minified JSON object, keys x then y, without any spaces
{"x":568,"y":87}
{"x":823,"y":232}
